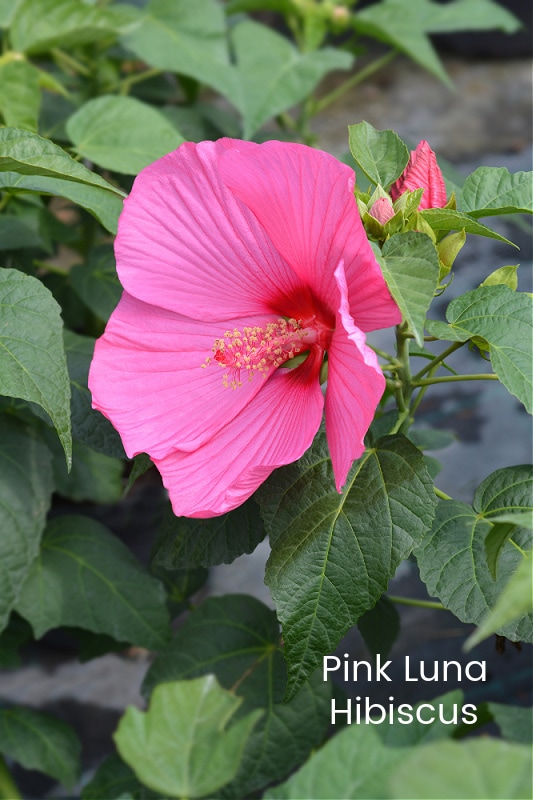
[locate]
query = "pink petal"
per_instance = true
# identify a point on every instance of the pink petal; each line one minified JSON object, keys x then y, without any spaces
{"x":303,"y":198}
{"x":147,"y":378}
{"x":185,"y":244}
{"x":355,"y":386}
{"x":422,"y":172}
{"x":274,"y":429}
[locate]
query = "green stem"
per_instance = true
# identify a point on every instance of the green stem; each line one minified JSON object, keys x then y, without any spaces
{"x":441,"y":494}
{"x":66,"y":60}
{"x":411,"y":601}
{"x":438,"y":359}
{"x":360,"y":76}
{"x":126,"y":83}
{"x":393,"y":362}
{"x":403,"y":386}
{"x":8,"y":788}
{"x":482,"y":376}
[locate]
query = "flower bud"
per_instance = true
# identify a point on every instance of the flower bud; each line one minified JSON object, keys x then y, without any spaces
{"x":422,"y":172}
{"x":382,"y":210}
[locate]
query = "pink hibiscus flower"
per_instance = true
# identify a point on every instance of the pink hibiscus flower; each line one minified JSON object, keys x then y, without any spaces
{"x":422,"y":172}
{"x":235,"y":258}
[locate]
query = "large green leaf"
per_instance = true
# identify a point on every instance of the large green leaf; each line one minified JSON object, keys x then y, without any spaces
{"x":184,"y":543}
{"x":381,"y":155}
{"x":515,"y":722}
{"x":405,"y":25}
{"x":410,"y":265}
{"x":273,"y":75}
{"x":353,"y":765}
{"x":494,"y":190}
{"x":25,"y":490}
{"x":88,"y":425}
{"x":187,"y":38}
{"x":446,"y":219}
{"x":30,"y":162}
{"x":514,"y":602}
{"x":121,"y":134}
{"x":16,"y":234}
{"x":238,"y":639}
{"x":479,"y":769}
{"x":32,"y":359}
{"x":453,"y":561}
{"x":315,"y":532}
{"x":505,"y":320}
{"x":7,"y":11}
{"x":20,"y":96}
{"x":38,"y":741}
{"x":96,"y":281}
{"x":115,"y":780}
{"x":40,"y":25}
{"x":185,"y":744}
{"x":85,"y":577}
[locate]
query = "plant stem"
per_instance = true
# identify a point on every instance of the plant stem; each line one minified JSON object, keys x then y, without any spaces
{"x":438,"y":359}
{"x":8,"y":788}
{"x":126,"y":83}
{"x":66,"y":60}
{"x":393,"y":362}
{"x":441,"y":494}
{"x":411,"y":601}
{"x":360,"y":76}
{"x":482,"y":376}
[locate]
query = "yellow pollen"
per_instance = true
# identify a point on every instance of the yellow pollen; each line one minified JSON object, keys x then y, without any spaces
{"x":258,"y":350}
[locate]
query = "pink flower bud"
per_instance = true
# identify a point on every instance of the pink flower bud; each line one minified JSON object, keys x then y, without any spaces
{"x":382,"y":210}
{"x":422,"y":172}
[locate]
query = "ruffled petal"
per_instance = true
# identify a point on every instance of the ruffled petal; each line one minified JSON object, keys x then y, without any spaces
{"x":147,"y":378}
{"x":185,"y":244}
{"x":274,"y":429}
{"x":355,"y":386}
{"x":303,"y":198}
{"x":422,"y":172}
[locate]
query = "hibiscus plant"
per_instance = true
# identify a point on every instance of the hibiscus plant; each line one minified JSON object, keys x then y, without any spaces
{"x":217,"y":360}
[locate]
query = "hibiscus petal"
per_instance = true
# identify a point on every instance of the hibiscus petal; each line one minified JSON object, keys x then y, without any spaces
{"x":274,"y":429}
{"x":303,"y":198}
{"x":147,"y":378}
{"x":355,"y":386}
{"x":185,"y":244}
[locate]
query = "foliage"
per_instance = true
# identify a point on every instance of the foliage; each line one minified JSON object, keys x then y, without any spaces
{"x":90,"y":93}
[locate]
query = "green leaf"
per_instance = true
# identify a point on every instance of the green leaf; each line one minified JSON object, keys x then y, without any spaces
{"x":480,"y":769}
{"x":25,"y":490}
{"x":315,"y":532}
{"x":273,"y":75}
{"x":380,"y":627}
{"x":16,"y":634}
{"x":38,"y":741}
{"x":506,"y":275}
{"x":514,"y":602}
{"x":237,"y":638}
{"x":494,"y":543}
{"x":491,"y":191}
{"x":30,"y":162}
{"x":114,"y":780}
{"x":454,"y":567}
{"x":448,"y":705}
{"x":431,"y":438}
{"x":88,"y":425}
{"x":20,"y":96}
{"x":185,"y":745}
{"x":32,"y":359}
{"x":40,"y":25}
{"x":410,"y":265}
{"x":353,"y":765}
{"x":96,"y":281}
{"x":187,"y":38}
{"x":7,"y":11}
{"x":515,"y":723}
{"x":16,"y":234}
{"x":184,"y":543}
{"x":94,"y":477}
{"x":113,"y":592}
{"x":406,"y":25}
{"x":504,"y":319}
{"x":121,"y":134}
{"x":381,"y":155}
{"x":446,"y":219}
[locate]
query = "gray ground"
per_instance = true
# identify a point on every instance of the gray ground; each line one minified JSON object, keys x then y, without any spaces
{"x":487,"y":120}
